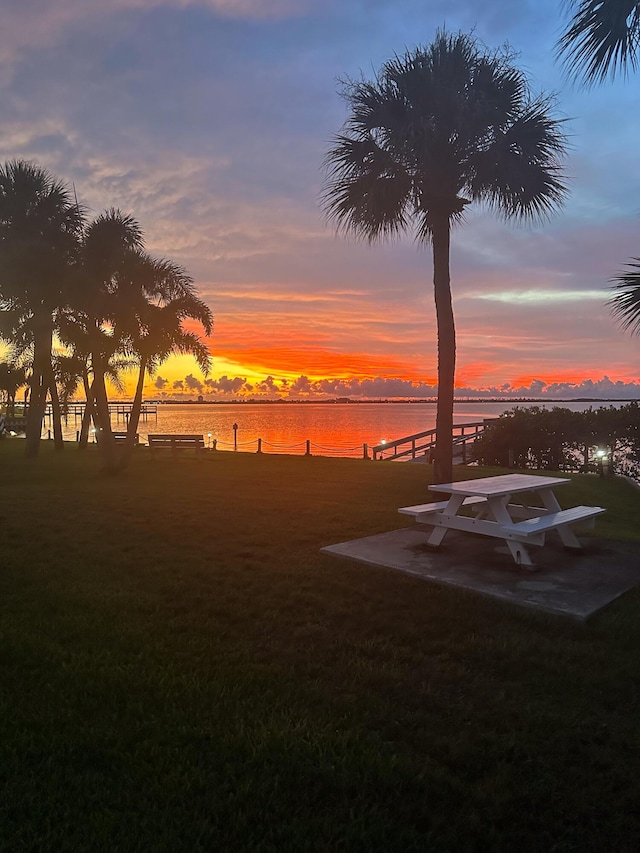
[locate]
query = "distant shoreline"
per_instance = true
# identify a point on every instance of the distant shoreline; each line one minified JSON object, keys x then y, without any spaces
{"x":349,"y":402}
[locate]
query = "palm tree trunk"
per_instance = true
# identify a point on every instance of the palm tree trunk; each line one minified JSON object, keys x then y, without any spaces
{"x":56,"y":413}
{"x":88,"y":412}
{"x":35,"y":414}
{"x":443,"y":457}
{"x":38,"y":387}
{"x":134,"y":418}
{"x":104,"y":435}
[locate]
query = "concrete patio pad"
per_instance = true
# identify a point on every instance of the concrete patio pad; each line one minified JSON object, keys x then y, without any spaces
{"x":562,"y":582}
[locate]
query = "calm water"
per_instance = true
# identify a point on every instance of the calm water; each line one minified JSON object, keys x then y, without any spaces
{"x":334,"y":429}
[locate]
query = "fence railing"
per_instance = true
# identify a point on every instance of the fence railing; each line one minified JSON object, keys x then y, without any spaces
{"x":423,"y":443}
{"x":121,"y":411}
{"x":419,"y":444}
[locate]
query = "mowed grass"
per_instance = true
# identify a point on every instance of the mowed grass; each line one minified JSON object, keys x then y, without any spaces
{"x":182,"y":669}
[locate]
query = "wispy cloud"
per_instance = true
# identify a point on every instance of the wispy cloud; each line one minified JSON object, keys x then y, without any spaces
{"x":31,"y":23}
{"x":543,"y":297}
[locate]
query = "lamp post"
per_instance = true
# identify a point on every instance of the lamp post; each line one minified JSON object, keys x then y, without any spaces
{"x":601,"y":456}
{"x":235,"y":436}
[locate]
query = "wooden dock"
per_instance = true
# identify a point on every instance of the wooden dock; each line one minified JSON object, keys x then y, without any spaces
{"x":122,"y":412}
{"x":420,"y":445}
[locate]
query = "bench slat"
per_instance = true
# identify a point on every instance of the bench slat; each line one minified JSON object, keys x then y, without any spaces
{"x":158,"y":437}
{"x":436,"y":506}
{"x":553,"y":520}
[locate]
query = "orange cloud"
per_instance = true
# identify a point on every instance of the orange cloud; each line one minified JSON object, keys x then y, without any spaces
{"x":319,"y":363}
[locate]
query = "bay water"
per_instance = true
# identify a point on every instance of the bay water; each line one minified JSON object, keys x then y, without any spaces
{"x":332,"y":429}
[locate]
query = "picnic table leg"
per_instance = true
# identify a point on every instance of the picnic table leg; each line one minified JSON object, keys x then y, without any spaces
{"x":519,"y":553}
{"x":498,"y":509}
{"x":568,"y":537}
{"x":438,"y":533}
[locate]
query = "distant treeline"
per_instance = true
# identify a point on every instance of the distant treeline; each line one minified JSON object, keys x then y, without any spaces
{"x":352,"y":401}
{"x":561,"y":440}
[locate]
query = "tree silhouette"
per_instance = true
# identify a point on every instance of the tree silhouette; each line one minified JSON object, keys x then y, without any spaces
{"x":153,"y":324}
{"x":625,"y":303}
{"x":102,"y":292}
{"x":127,"y":312}
{"x":603,"y":38}
{"x":39,"y":228}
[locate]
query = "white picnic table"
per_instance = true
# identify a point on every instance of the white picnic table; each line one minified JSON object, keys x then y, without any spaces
{"x":494,"y":514}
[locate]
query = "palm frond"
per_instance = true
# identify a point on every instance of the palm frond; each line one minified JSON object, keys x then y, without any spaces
{"x":625,"y":302}
{"x":188,"y":343}
{"x":602,"y":38}
{"x":368,"y":190}
{"x":519,"y":172}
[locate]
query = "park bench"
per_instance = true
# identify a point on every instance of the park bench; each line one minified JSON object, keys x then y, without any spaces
{"x":121,"y":437}
{"x":176,"y":442}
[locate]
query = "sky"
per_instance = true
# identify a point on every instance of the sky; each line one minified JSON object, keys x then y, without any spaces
{"x":208,"y":121}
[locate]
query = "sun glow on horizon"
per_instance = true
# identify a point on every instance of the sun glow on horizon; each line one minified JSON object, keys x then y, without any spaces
{"x":179,"y":377}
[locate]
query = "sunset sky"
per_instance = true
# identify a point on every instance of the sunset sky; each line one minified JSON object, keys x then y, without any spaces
{"x":208,"y":120}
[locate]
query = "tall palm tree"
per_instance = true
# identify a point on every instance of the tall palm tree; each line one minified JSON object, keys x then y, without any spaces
{"x":439,"y":128}
{"x":101,"y":288}
{"x":39,"y":227}
{"x":127,"y":311}
{"x":602,"y":38}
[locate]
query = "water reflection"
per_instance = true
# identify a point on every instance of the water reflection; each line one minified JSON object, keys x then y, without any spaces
{"x":332,"y":429}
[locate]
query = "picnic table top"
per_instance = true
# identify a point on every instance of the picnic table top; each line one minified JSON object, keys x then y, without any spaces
{"x":503,"y":484}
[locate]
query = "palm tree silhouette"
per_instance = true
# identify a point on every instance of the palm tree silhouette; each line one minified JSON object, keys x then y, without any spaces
{"x":153,"y":324}
{"x":439,"y":128}
{"x":625,"y":303}
{"x":127,"y":312}
{"x":602,"y":38}
{"x":91,"y":328}
{"x":40,"y":224}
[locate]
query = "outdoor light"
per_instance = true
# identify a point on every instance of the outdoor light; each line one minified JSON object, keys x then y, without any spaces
{"x":601,"y":456}
{"x":383,"y":441}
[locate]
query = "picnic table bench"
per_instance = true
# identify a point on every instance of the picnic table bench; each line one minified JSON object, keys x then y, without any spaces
{"x":489,"y":499}
{"x":176,"y":442}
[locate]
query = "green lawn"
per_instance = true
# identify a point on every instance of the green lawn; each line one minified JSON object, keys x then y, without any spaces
{"x":182,"y":670}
